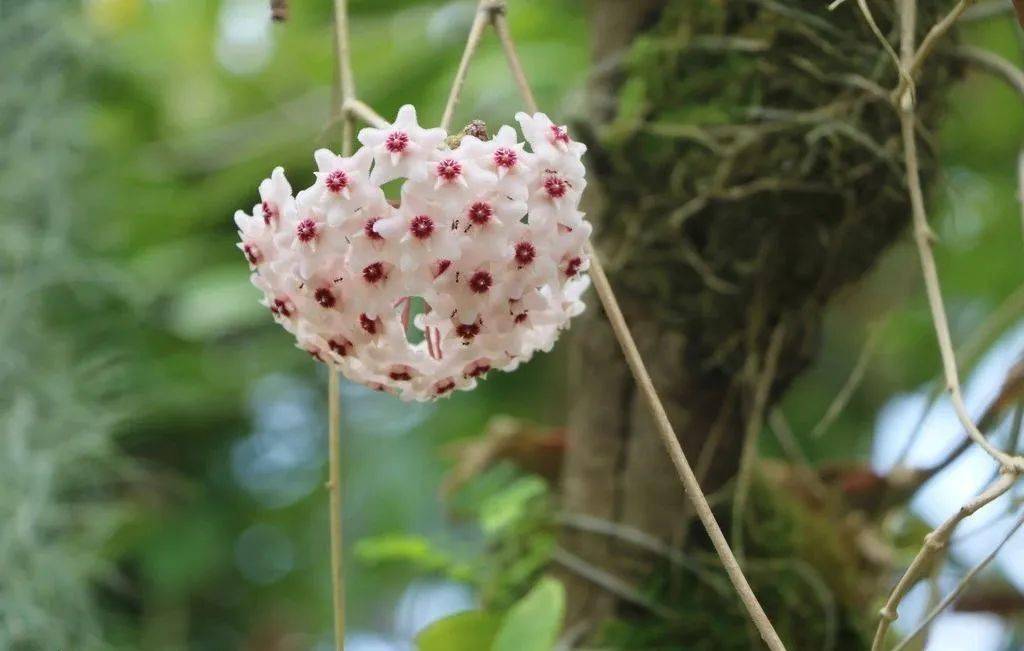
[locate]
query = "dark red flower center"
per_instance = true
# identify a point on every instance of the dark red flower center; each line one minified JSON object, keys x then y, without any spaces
{"x":421,"y":226}
{"x":400,"y":375}
{"x":368,"y":229}
{"x":336,"y":181}
{"x":396,"y":142}
{"x":467,"y":330}
{"x":252,"y":254}
{"x":572,"y":267}
{"x":505,"y":157}
{"x":555,"y":186}
{"x":444,"y":386}
{"x":269,"y":212}
{"x":324,"y":297}
{"x":480,"y":281}
{"x":525,"y":253}
{"x":480,"y":213}
{"x":306,"y":230}
{"x":449,"y":169}
{"x":281,"y":307}
{"x":340,"y":346}
{"x":521,"y":318}
{"x":478,"y":370}
{"x":441,"y":266}
{"x":368,"y":324}
{"x":373,"y":272}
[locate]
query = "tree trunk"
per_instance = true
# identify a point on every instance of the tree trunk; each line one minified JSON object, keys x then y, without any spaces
{"x":737,"y":184}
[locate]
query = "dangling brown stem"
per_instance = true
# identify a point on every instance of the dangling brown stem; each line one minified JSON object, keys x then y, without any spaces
{"x":334,"y":489}
{"x":347,"y":86}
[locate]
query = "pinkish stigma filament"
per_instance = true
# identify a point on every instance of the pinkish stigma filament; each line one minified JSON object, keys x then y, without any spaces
{"x":336,"y":181}
{"x":505,"y":157}
{"x":480,"y":282}
{"x":325,"y":298}
{"x":480,"y":213}
{"x":525,"y":253}
{"x":306,"y":230}
{"x":555,"y":186}
{"x":449,"y":169}
{"x":397,"y":142}
{"x":421,"y":226}
{"x":373,"y":272}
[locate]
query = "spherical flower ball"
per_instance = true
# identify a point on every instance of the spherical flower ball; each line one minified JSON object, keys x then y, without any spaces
{"x":479,"y":264}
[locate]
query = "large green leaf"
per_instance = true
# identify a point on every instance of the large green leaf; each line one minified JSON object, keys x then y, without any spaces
{"x":533,"y":623}
{"x":472,"y":630}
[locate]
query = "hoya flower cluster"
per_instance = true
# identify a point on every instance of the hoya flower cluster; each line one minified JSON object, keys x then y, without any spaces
{"x":479,"y":264}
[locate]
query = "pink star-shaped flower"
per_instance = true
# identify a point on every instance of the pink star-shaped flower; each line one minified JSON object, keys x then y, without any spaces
{"x":400,"y":149}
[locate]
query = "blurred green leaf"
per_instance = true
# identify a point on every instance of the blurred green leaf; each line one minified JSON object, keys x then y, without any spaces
{"x":533,"y":623}
{"x":473,"y":630}
{"x":397,"y":548}
{"x":214,"y":303}
{"x":503,"y":509}
{"x":179,"y":550}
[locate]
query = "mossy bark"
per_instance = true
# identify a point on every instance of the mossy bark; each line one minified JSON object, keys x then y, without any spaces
{"x":745,"y":162}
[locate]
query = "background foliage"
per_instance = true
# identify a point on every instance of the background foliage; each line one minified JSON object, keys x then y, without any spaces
{"x":162,"y":442}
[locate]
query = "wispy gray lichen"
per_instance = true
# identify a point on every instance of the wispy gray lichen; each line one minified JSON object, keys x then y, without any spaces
{"x":58,"y":464}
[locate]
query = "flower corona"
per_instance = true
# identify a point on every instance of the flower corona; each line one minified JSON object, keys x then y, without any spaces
{"x":478,"y":266}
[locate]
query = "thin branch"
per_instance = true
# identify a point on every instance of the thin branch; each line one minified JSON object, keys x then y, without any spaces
{"x":610,"y":582}
{"x":346,"y":82}
{"x":780,"y":428}
{"x":515,"y":65}
{"x":1009,"y":392}
{"x":852,"y":382}
{"x":1010,"y":467}
{"x":993,"y":63}
{"x":995,"y":323}
{"x":483,"y":11}
{"x":886,"y":45}
{"x":346,"y":79}
{"x":913,"y":62}
{"x":355,"y":108}
{"x":1012,"y":75}
{"x":675,"y":450}
{"x":627,"y":534}
{"x":934,"y":543}
{"x":755,"y":422}
{"x":644,"y":541}
{"x":1012,"y":446}
{"x":707,"y":454}
{"x":987,"y":9}
{"x":643,"y":379}
{"x":714,"y":438}
{"x":334,"y":489}
{"x":704,"y":270}
{"x":573,"y":635}
{"x":998,"y":320}
{"x":924,"y":237}
{"x":960,"y":587}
